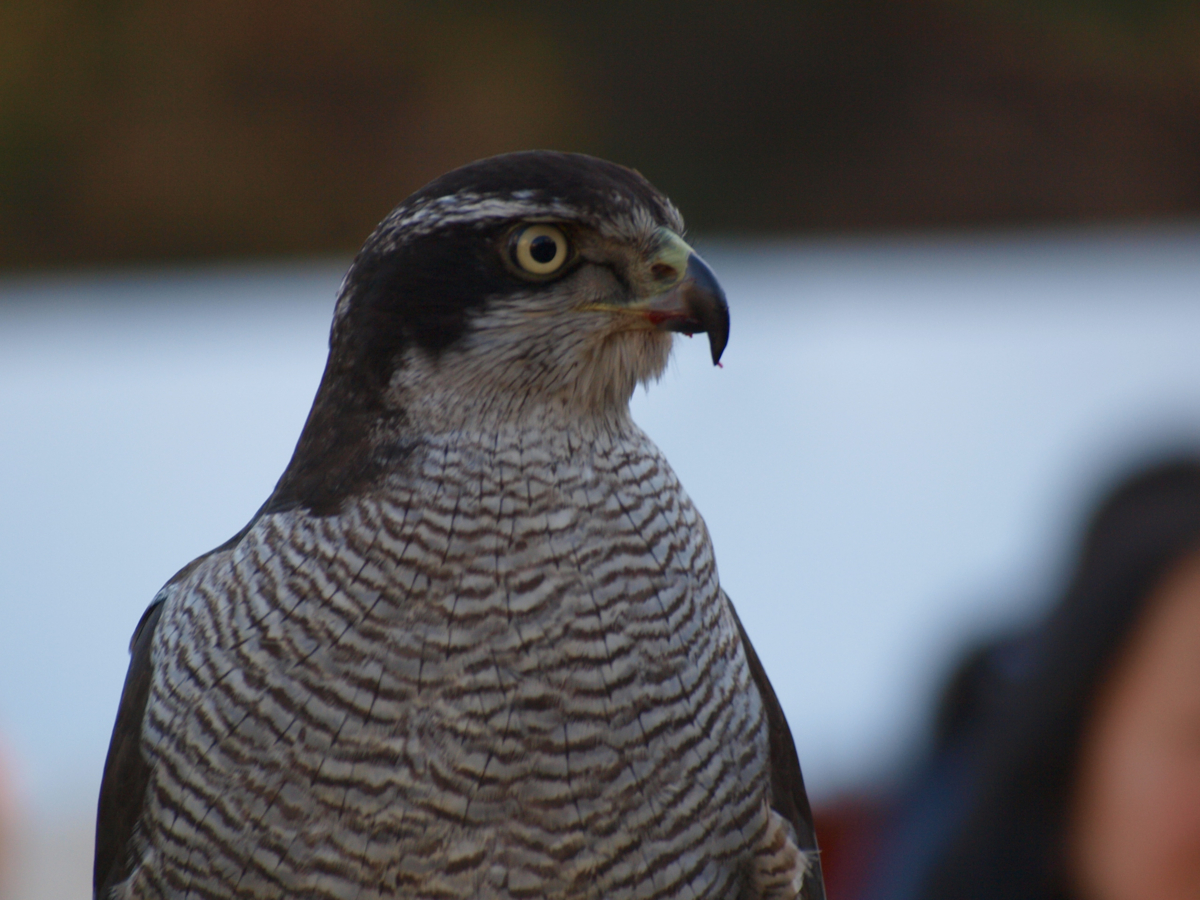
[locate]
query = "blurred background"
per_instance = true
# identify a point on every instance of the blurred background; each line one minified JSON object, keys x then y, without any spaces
{"x":960,"y":240}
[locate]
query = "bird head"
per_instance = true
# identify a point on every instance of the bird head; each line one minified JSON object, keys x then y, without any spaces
{"x":524,"y":280}
{"x":531,"y":286}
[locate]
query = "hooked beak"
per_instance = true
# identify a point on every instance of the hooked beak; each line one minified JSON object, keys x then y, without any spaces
{"x":691,"y":301}
{"x":694,"y":304}
{"x":685,"y":296}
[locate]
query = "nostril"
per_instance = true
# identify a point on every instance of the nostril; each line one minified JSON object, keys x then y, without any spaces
{"x":663,"y":271}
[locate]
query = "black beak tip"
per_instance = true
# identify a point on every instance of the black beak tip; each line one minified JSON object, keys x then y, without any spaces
{"x":718,"y":335}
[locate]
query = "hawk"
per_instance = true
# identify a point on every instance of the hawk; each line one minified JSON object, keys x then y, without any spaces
{"x":474,"y":643}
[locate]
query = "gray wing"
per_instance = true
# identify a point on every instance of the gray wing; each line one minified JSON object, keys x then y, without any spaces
{"x":126,"y":772}
{"x":788,"y":797}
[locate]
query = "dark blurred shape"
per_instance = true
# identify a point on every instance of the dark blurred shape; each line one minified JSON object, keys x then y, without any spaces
{"x":878,"y":844}
{"x":987,"y":815}
{"x":134,"y":131}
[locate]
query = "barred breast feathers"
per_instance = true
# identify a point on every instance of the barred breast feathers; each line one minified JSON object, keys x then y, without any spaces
{"x":569,"y":622}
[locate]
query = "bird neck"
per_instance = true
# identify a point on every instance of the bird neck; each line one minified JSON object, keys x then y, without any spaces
{"x":495,"y":413}
{"x":436,"y":398}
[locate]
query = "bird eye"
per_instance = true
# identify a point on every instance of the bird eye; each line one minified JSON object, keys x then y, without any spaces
{"x":540,"y":249}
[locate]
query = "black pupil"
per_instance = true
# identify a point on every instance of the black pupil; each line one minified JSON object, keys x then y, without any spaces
{"x":543,"y":249}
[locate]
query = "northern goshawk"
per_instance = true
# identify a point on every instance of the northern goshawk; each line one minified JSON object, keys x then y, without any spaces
{"x":474,"y":643}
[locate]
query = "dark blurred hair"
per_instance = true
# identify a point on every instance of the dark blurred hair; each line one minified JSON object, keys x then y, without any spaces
{"x":1012,"y":719}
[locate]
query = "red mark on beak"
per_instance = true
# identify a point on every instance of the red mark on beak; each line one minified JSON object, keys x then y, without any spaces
{"x":656,"y":318}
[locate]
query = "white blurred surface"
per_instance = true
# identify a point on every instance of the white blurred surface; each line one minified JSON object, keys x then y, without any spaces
{"x":891,"y":460}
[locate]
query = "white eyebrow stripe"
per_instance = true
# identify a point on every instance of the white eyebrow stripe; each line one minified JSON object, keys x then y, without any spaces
{"x":629,"y":218}
{"x":466,"y":207}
